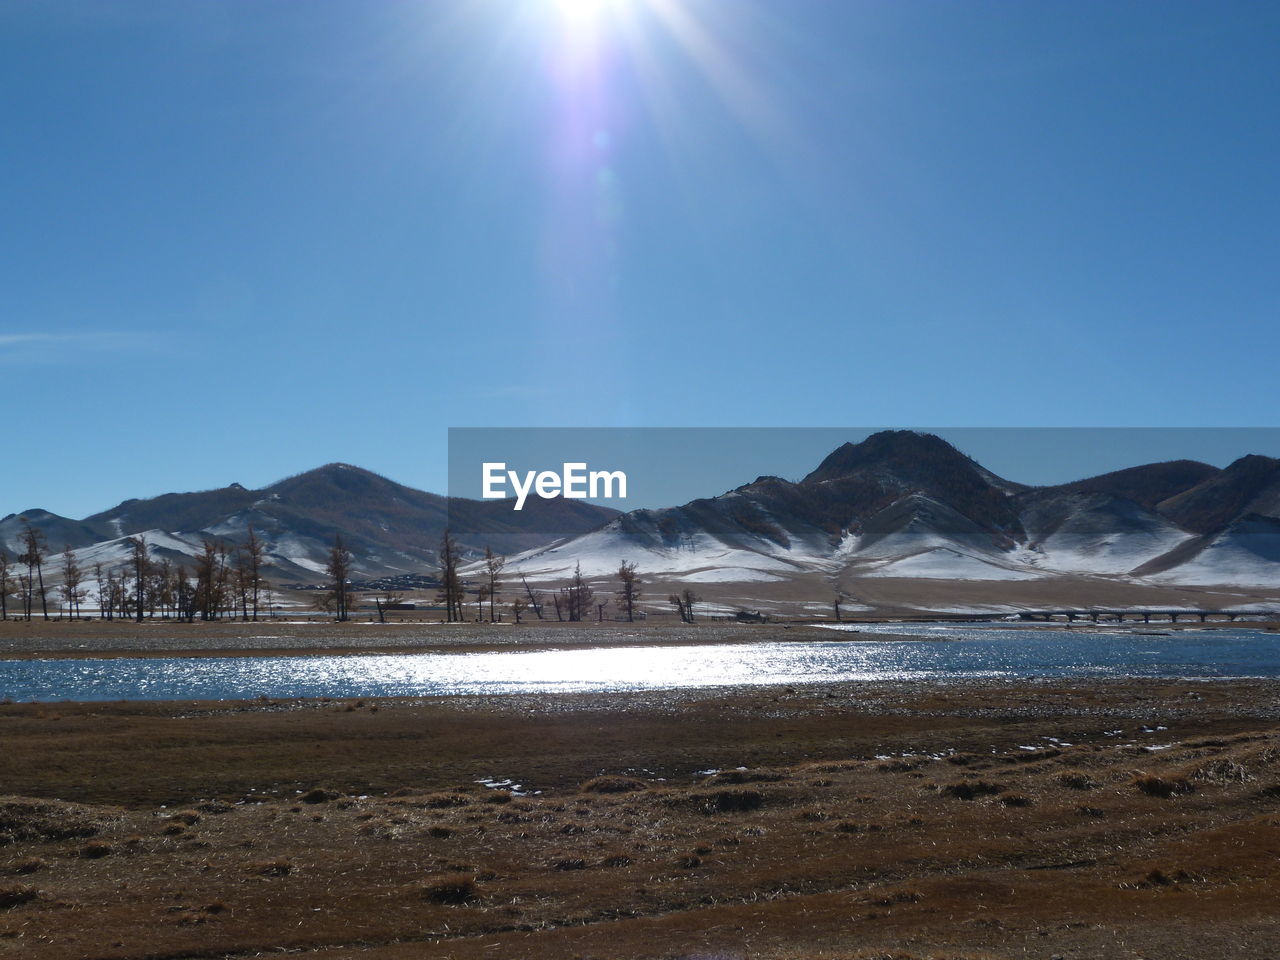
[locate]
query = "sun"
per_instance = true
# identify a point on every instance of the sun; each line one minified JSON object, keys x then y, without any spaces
{"x":586,"y":11}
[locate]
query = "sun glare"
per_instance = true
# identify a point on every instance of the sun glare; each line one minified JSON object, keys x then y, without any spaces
{"x":583,"y":11}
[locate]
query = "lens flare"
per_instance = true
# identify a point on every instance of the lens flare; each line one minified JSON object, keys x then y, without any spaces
{"x":618,"y":73}
{"x":583,"y":9}
{"x":587,"y":16}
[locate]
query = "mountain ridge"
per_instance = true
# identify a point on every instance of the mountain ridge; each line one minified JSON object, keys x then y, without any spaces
{"x":907,"y":504}
{"x":389,"y":527}
{"x":898,"y":504}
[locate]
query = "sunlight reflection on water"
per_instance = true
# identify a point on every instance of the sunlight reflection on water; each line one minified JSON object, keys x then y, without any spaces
{"x":972,"y":653}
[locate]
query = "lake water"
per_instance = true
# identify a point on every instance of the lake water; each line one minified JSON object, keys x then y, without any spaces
{"x":969,"y":653}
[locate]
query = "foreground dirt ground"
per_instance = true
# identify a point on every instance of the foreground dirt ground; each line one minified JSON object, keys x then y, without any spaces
{"x":1083,"y":820}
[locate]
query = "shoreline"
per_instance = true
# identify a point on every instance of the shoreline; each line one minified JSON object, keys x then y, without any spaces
{"x":461,"y":646}
{"x":621,"y":701}
{"x":90,"y":639}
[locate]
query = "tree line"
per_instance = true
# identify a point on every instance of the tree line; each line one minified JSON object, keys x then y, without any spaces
{"x":225,"y":580}
{"x":574,"y":602}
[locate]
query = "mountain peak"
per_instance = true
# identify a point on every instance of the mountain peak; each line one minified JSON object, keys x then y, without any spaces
{"x":337,"y":469}
{"x":1253,"y":462}
{"x":332,"y":487}
{"x":340,"y":474}
{"x":902,"y":450}
{"x":34,"y":514}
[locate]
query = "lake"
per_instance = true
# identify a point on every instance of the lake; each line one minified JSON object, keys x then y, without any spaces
{"x":968,"y":652}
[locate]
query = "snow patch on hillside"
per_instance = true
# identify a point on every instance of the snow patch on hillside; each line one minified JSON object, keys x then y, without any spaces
{"x":946,"y":563}
{"x":1250,"y":558}
{"x":731,"y":575}
{"x":308,"y":556}
{"x":1072,"y":550}
{"x":602,"y":551}
{"x":112,"y":554}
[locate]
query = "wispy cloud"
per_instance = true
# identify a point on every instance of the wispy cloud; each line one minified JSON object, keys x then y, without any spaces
{"x":44,"y":347}
{"x":9,"y":339}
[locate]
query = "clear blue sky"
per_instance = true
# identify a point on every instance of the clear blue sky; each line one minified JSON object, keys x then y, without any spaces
{"x":241,"y":237}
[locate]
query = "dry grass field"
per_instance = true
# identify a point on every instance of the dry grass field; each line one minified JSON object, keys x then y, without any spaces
{"x":847,"y":821}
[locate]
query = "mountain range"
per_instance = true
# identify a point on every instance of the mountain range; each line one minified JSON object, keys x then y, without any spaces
{"x":899,"y":504}
{"x":389,"y":528}
{"x":902,"y":504}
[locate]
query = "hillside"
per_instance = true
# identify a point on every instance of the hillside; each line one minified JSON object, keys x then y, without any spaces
{"x":389,"y":527}
{"x":908,"y":505}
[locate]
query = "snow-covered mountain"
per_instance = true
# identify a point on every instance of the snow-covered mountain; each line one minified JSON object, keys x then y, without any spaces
{"x":907,"y":505}
{"x":390,"y":528}
{"x":898,"y":506}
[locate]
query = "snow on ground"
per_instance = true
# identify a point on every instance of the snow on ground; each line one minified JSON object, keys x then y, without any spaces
{"x":115,"y":553}
{"x":298,"y":552}
{"x":846,"y":606}
{"x":304,"y":562}
{"x":159,"y":540}
{"x":903,"y":543}
{"x":702,"y":558}
{"x":1114,"y":554}
{"x":233,"y":526}
{"x":602,"y":551}
{"x":731,"y":575}
{"x":1250,"y":559}
{"x":108,"y":553}
{"x":978,"y":609}
{"x":945,"y":563}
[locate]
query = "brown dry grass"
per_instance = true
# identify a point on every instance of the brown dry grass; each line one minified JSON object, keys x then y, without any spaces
{"x":816,"y":851}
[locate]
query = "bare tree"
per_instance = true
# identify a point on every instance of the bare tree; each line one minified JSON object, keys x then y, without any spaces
{"x":578,"y":595}
{"x":120,"y":593}
{"x":689,"y":599}
{"x":33,"y":556}
{"x":534,"y":598}
{"x":162,"y":588}
{"x":518,"y":606}
{"x":72,"y":577}
{"x":240,"y":578}
{"x":5,"y":584}
{"x":675,"y":600}
{"x":450,"y":582}
{"x":210,"y":581}
{"x":493,"y":568}
{"x":183,"y":595}
{"x":683,"y":602}
{"x":385,"y":599}
{"x":254,"y":553}
{"x":103,"y":592}
{"x":141,"y":566}
{"x":629,"y":592}
{"x":226,"y":600}
{"x":24,"y":595}
{"x":600,"y":608}
{"x":338,"y":570}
